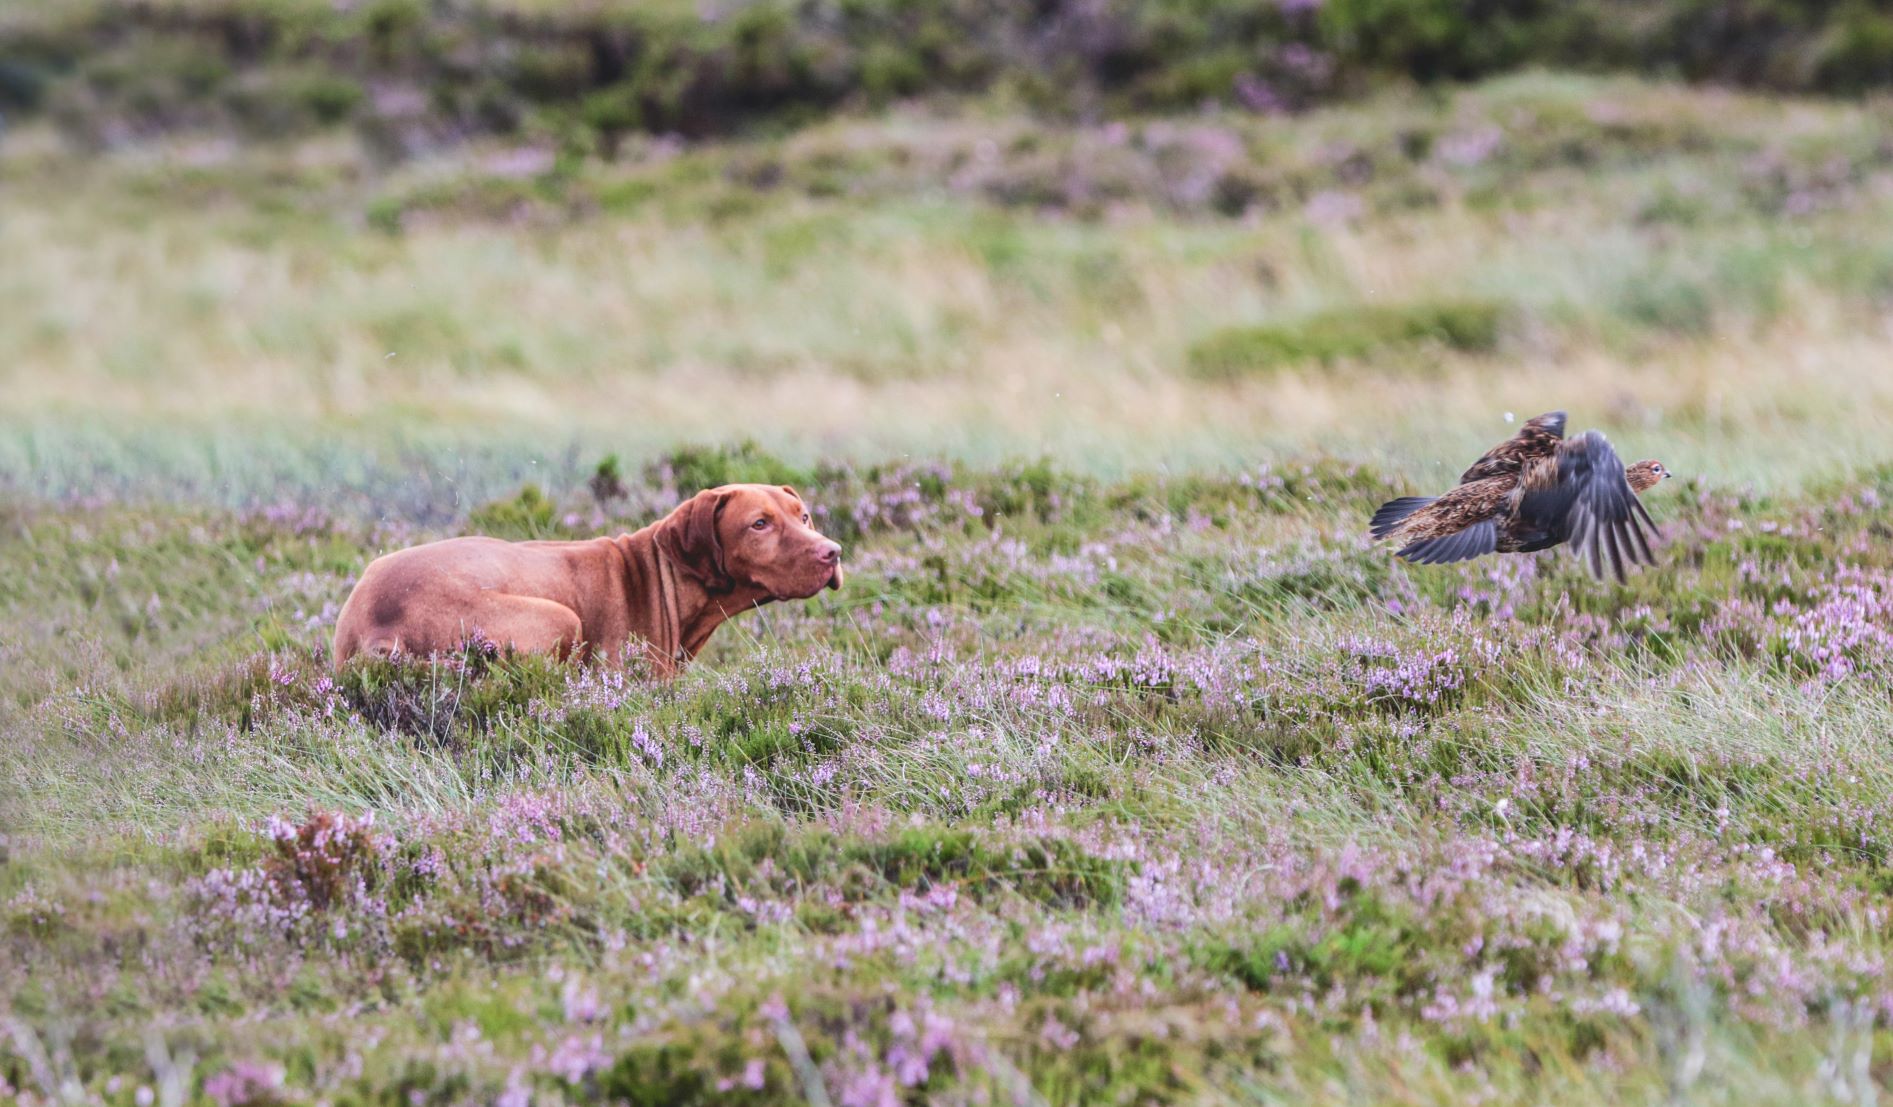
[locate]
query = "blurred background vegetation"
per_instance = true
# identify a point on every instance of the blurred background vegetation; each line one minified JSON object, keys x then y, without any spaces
{"x":592,"y":73}
{"x":259,"y":248}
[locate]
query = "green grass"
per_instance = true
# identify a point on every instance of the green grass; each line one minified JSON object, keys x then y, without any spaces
{"x":1347,"y":335}
{"x":678,"y":857}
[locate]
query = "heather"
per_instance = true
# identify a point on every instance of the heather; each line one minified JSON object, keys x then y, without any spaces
{"x":1159,"y":790}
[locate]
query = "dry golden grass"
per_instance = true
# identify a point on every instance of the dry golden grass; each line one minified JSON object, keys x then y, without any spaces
{"x":194,"y":286}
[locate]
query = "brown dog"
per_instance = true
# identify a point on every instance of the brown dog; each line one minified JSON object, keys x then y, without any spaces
{"x":666,"y":587}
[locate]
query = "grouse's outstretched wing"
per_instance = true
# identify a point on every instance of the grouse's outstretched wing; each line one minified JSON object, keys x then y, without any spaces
{"x":1458,"y":526}
{"x":1476,"y":540}
{"x":1582,"y":495}
{"x":1539,"y":437}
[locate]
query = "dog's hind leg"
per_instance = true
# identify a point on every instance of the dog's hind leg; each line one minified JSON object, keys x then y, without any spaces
{"x":524,"y":624}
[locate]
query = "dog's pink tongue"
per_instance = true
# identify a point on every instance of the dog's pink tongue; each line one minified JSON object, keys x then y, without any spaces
{"x":835,"y":580}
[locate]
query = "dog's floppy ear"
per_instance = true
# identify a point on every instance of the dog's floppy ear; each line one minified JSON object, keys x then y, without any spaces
{"x":688,"y":537}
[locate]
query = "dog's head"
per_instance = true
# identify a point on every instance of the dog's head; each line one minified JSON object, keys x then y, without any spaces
{"x":751,"y":536}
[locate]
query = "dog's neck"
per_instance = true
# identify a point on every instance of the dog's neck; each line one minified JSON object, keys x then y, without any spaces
{"x":687,"y":612}
{"x":700,"y":611}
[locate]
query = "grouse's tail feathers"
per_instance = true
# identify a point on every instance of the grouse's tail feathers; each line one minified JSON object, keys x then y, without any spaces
{"x":1476,"y":540}
{"x":1394,"y":512}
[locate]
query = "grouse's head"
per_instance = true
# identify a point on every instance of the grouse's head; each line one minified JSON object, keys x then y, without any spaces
{"x":1646,"y":474}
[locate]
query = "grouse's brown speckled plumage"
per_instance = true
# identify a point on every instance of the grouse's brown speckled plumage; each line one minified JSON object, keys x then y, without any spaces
{"x":1533,"y":491}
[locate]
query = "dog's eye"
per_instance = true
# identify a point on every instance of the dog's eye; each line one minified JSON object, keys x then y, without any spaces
{"x":760,"y":524}
{"x":805,"y":518}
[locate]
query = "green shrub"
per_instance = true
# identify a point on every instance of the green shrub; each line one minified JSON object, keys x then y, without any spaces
{"x":1051,"y":871}
{"x":692,"y":468}
{"x":457,"y":697}
{"x":617,"y":67}
{"x":888,"y":71}
{"x":1472,"y":326}
{"x":22,"y":84}
{"x":327,"y":98}
{"x":219,"y":693}
{"x":286,"y":101}
{"x":607,"y":481}
{"x":466,"y":197}
{"x":528,"y":514}
{"x":658,"y":1074}
{"x":1859,"y":52}
{"x":1672,"y":302}
{"x":612,"y":113}
{"x":551,"y":71}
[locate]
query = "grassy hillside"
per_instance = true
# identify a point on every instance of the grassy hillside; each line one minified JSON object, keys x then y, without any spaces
{"x":1381,"y":282}
{"x":1123,"y":770}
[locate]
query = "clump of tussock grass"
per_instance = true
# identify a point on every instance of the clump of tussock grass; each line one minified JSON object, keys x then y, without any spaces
{"x":1365,"y":333}
{"x":708,"y":466}
{"x":527,"y":514}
